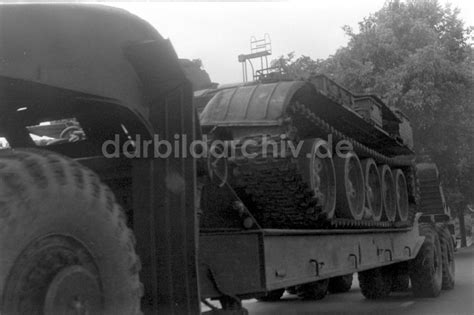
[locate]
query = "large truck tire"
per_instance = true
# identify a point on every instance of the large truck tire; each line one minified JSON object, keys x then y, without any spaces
{"x":64,"y":243}
{"x":426,"y":272}
{"x":340,"y":284}
{"x":447,"y":257}
{"x":272,"y":296}
{"x":400,"y":277}
{"x":313,"y":291}
{"x":401,"y":283}
{"x":376,"y":283}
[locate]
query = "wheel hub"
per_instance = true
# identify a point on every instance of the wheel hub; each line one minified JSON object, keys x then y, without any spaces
{"x":373,"y":190}
{"x":354,"y":187}
{"x":322,"y":178}
{"x":74,"y":290}
{"x":55,"y":274}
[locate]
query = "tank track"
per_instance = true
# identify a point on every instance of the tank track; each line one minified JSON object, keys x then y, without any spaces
{"x":274,"y":189}
{"x":431,"y":198}
{"x":301,"y":112}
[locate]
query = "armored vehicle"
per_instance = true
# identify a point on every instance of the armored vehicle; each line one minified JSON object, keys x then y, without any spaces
{"x":96,"y":218}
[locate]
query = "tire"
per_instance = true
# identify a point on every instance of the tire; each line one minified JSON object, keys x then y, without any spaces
{"x":63,"y":239}
{"x":400,"y":277}
{"x":447,"y":253}
{"x":426,"y":272}
{"x":340,"y":284}
{"x":272,"y":296}
{"x":401,"y":283}
{"x":313,"y":291}
{"x":376,"y":283}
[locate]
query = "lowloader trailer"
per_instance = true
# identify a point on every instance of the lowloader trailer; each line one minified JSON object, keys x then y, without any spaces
{"x":95,"y":220}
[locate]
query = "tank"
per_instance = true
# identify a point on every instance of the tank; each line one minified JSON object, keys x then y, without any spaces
{"x":311,"y":154}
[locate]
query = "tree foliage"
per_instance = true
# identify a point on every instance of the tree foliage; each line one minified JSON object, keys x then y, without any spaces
{"x":416,"y":56}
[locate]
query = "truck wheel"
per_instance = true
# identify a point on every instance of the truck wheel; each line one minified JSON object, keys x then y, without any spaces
{"x":426,"y":273}
{"x":340,"y":284}
{"x":376,"y":283}
{"x":274,"y":295}
{"x":313,"y":291}
{"x":447,"y":253}
{"x":64,"y":243}
{"x":400,"y":283}
{"x":400,"y":277}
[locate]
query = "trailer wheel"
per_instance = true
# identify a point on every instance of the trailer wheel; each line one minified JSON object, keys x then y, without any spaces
{"x":271,"y":296}
{"x":340,"y":284}
{"x":447,"y":252}
{"x":401,"y":283}
{"x":313,"y":291}
{"x":426,"y":273}
{"x":64,"y":243}
{"x":400,"y":277}
{"x":376,"y":283}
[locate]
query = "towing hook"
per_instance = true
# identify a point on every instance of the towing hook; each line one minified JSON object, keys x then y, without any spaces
{"x":317,"y":266}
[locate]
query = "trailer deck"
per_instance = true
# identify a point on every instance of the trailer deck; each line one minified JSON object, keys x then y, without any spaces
{"x":242,"y":263}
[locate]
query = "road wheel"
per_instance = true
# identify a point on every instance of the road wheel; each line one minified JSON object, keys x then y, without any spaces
{"x":426,"y":273}
{"x":401,"y":195}
{"x":340,"y":284}
{"x":350,"y":198}
{"x":388,"y":194}
{"x":318,"y":172}
{"x":447,"y":252}
{"x":376,"y":283}
{"x":274,"y":295}
{"x":64,"y":243}
{"x":313,"y":291}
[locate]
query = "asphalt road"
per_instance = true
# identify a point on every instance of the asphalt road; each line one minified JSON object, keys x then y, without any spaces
{"x":460,"y":300}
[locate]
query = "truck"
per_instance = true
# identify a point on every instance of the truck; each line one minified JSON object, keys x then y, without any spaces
{"x":118,"y":197}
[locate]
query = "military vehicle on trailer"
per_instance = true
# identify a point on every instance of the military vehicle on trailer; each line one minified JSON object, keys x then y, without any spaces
{"x":84,"y":229}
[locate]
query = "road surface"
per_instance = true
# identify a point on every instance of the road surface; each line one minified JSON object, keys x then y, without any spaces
{"x":459,"y":301}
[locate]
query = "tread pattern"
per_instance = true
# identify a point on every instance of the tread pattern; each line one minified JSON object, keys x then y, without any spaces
{"x":274,"y":188}
{"x":28,"y":172}
{"x":313,"y":291}
{"x":431,"y":198}
{"x":340,"y":284}
{"x":376,"y":283}
{"x":278,"y":196}
{"x":426,"y":270}
{"x":305,"y":113}
{"x":401,"y":283}
{"x":400,"y":277}
{"x":447,"y":256}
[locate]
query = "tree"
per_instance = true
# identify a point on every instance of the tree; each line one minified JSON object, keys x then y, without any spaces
{"x":193,"y":69}
{"x":416,"y":56}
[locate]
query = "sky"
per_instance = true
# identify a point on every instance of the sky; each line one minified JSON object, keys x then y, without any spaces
{"x":217,"y":32}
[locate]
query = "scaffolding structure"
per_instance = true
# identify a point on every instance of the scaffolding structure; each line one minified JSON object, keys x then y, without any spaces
{"x":260,"y":49}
